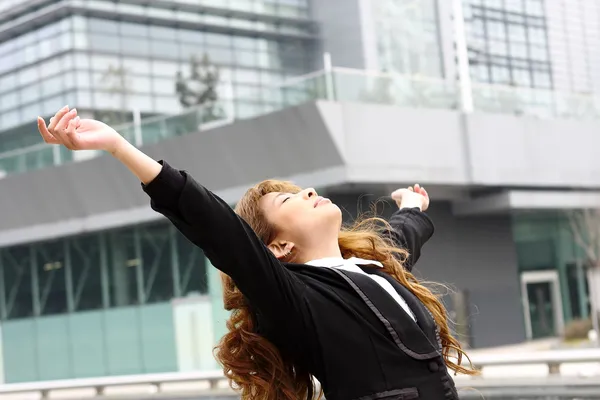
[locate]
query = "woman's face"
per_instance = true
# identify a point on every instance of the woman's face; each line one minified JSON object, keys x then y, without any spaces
{"x":304,"y":218}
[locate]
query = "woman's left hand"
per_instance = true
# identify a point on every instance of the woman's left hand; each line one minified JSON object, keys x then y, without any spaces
{"x":412,"y":196}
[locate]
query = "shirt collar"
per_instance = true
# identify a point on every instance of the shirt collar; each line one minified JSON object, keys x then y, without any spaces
{"x":333,"y":262}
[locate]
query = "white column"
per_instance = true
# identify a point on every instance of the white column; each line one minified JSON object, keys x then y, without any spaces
{"x":462,"y":56}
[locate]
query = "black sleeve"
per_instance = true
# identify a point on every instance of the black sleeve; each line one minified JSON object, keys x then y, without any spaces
{"x":411,"y":229}
{"x":227,"y":240}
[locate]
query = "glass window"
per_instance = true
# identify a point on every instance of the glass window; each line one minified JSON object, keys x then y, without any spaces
{"x":16,"y":271}
{"x":28,"y":75}
{"x":163,"y":86}
{"x":167,"y":104}
{"x":225,"y":56}
{"x":246,"y":58}
{"x":186,"y":35}
{"x":498,"y":48}
{"x":80,"y":40}
{"x":82,"y":61}
{"x":143,"y":103}
{"x":191,"y":50}
{"x":8,"y":82}
{"x":240,"y":42}
{"x":11,"y":118}
{"x":49,"y":259}
{"x":84,"y":99}
{"x":139,"y":66}
{"x":542,"y":79}
{"x":516,"y":32}
{"x":86,"y":261}
{"x":217,"y":39}
{"x":518,"y":50}
{"x":132,"y":29}
{"x":496,"y":30}
{"x":156,"y":262}
{"x":164,"y":49}
{"x":192,"y":267}
{"x":534,"y":7}
{"x":103,"y":63}
{"x":82,"y":78}
{"x":30,"y":93}
{"x":537,"y":35}
{"x":483,"y":73}
{"x":79,"y":23}
{"x":52,"y":85}
{"x":538,"y":53}
{"x":135,"y":46}
{"x":513,"y":5}
{"x":123,"y":263}
{"x":500,"y":75}
{"x":521,"y":77}
{"x":139,"y":84}
{"x":50,"y":67}
{"x":162,"y":33}
{"x":103,"y":25}
{"x":104,"y":42}
{"x":9,"y":100}
{"x":166,"y":68}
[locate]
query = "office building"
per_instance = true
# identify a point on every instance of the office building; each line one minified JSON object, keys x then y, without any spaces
{"x":95,"y":283}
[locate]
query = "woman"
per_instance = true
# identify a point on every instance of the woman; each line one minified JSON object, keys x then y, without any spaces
{"x":308,"y":298}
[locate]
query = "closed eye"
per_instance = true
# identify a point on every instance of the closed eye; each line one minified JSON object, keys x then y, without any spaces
{"x":284,"y":200}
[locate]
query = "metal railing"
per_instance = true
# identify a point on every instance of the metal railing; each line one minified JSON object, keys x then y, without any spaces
{"x":553,"y":359}
{"x":212,"y":382}
{"x":335,"y":84}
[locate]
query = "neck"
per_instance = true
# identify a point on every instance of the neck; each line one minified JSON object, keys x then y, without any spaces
{"x":324,"y":250}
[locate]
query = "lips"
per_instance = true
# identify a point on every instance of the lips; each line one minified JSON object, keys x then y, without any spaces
{"x":319,"y":201}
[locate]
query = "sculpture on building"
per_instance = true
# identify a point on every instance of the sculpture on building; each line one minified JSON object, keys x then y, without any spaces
{"x":200,"y":87}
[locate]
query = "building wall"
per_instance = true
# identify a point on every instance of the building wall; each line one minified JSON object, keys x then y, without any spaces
{"x":573,"y":34}
{"x":100,"y":56}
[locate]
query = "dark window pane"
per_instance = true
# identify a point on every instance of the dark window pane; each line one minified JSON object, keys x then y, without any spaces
{"x":50,"y":267}
{"x":122,"y":265}
{"x":156,"y":262}
{"x":17,"y":282}
{"x":192,"y":267}
{"x":86,"y":272}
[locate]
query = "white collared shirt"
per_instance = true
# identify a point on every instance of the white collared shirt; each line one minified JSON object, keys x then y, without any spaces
{"x":351,"y":264}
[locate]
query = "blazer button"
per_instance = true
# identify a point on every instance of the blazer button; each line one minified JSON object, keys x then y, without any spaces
{"x":434,"y":366}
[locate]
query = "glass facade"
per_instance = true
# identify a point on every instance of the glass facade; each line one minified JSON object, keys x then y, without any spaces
{"x":145,"y":264}
{"x":544,"y":242}
{"x":111,"y":66}
{"x":413,"y":46}
{"x":508,"y":42}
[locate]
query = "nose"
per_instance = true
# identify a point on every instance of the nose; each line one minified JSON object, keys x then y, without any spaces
{"x":308,"y":193}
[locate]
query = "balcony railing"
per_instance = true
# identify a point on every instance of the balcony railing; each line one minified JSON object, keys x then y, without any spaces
{"x":337,"y":84}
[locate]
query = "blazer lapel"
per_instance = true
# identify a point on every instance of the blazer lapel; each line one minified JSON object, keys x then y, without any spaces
{"x":407,"y":335}
{"x":424,"y":317}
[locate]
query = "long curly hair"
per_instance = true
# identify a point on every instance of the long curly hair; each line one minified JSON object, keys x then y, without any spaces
{"x":255,"y":366}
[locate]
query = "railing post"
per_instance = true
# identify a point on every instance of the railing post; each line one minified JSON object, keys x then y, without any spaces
{"x":137,"y":127}
{"x":329,"y":85}
{"x":554,"y":368}
{"x":462,"y":56}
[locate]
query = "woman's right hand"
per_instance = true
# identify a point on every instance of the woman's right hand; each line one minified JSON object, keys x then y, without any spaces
{"x":67,"y":129}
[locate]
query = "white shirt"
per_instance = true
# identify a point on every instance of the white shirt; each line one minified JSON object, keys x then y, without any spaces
{"x":351,"y":264}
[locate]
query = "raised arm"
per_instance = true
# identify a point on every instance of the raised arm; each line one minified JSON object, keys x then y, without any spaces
{"x":205,"y":219}
{"x":411,"y":227}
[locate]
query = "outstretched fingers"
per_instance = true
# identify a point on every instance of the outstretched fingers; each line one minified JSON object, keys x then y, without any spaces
{"x":46,"y":135}
{"x":60,"y":131}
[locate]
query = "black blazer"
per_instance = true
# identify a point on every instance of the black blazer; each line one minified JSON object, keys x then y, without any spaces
{"x":338,"y":325}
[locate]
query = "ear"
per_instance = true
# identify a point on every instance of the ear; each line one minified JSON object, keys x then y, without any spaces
{"x":281,"y":249}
